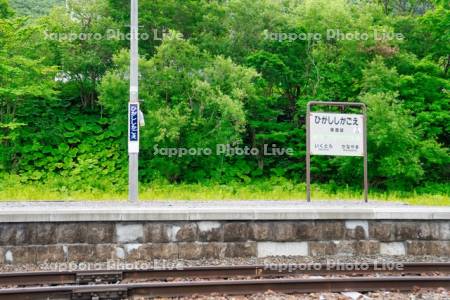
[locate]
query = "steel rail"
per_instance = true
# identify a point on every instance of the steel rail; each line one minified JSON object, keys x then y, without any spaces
{"x":230,"y":287}
{"x":212,"y":272}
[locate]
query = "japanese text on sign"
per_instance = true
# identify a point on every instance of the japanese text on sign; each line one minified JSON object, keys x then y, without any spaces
{"x":336,"y":134}
{"x":133,"y":134}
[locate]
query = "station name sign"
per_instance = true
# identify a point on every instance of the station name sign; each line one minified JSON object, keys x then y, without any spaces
{"x":133,"y":128}
{"x":336,"y":134}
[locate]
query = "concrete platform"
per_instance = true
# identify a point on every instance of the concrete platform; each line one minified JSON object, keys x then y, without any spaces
{"x":45,"y":232}
{"x":16,"y":212}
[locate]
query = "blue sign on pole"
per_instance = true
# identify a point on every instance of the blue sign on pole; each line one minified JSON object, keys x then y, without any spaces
{"x":134,"y":123}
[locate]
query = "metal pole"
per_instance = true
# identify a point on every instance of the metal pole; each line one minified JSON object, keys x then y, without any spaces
{"x":308,"y":156}
{"x":366,"y":180}
{"x":134,"y":92}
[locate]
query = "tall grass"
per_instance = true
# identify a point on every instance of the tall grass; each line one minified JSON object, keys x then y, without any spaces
{"x":11,"y":189}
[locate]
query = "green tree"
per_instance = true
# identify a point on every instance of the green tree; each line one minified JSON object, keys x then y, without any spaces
{"x":436,"y":29}
{"x":83,"y":38}
{"x":5,"y":10}
{"x":24,"y":78}
{"x":191,"y":100}
{"x":397,"y":151}
{"x":35,"y":8}
{"x":401,"y":7}
{"x":158,"y":17}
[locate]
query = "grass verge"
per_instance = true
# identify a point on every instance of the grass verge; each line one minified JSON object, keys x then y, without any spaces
{"x":13,"y":190}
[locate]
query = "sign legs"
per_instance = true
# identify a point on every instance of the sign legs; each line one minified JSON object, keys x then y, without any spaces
{"x":308,"y":156}
{"x":366,"y":180}
{"x":336,"y":139}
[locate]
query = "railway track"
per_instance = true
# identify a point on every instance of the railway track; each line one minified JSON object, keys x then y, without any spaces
{"x":24,"y":279}
{"x":230,"y":287}
{"x":126,"y":284}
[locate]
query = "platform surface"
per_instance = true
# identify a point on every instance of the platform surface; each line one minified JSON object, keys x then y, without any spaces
{"x":215,"y":210}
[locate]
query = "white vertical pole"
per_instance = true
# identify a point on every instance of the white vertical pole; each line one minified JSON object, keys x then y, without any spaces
{"x":134,"y":92}
{"x":366,"y":179}
{"x":308,"y":155}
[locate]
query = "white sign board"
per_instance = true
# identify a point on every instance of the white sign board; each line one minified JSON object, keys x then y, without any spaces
{"x":336,"y":134}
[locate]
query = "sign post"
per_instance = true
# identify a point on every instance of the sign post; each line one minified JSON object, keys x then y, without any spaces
{"x":133,"y":108}
{"x":336,"y":134}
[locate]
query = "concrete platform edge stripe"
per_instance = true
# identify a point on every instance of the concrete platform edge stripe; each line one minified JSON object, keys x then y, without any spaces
{"x":194,"y":214}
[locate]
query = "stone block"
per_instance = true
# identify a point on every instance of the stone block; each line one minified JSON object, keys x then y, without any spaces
{"x":99,"y":232}
{"x":42,"y":233}
{"x":265,"y":249}
{"x":14,"y":234}
{"x":2,"y":256}
{"x":156,"y":232}
{"x":129,"y":233}
{"x":416,"y":230}
{"x":382,"y":231}
{"x":406,"y":231}
{"x":105,"y":252}
{"x":188,"y":232}
{"x":261,"y":231}
{"x":172,"y":231}
{"x":435,"y":248}
{"x":330,"y":230}
{"x":440,"y":248}
{"x":356,"y":229}
{"x":120,"y":252}
{"x":7,"y":234}
{"x":284,"y":231}
{"x":322,"y":248}
{"x":81,"y":253}
{"x":210,"y":231}
{"x":165,"y":251}
{"x":367,"y":247}
{"x":247,"y":249}
{"x":190,"y":250}
{"x":50,"y":254}
{"x":9,"y":259}
{"x":428,"y":230}
{"x":21,"y":255}
{"x":138,"y":251}
{"x":236,"y":232}
{"x":345,"y":248}
{"x":71,"y":233}
{"x":214,"y":250}
{"x":418,"y":248}
{"x":394,"y":248}
{"x":307,"y":231}
{"x":444,"y":230}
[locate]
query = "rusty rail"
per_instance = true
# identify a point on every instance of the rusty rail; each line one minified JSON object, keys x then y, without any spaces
{"x":230,"y":287}
{"x":208,"y":272}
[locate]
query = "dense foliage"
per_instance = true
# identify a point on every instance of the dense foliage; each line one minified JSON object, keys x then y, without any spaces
{"x":35,"y":8}
{"x":236,"y":72}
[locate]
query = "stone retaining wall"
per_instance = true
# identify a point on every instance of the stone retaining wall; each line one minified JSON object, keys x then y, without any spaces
{"x":130,"y":241}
